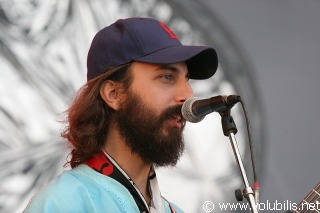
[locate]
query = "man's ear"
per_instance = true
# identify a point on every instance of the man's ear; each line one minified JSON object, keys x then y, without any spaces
{"x":110,"y":93}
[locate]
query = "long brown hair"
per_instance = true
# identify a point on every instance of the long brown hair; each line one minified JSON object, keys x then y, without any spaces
{"x":88,"y":117}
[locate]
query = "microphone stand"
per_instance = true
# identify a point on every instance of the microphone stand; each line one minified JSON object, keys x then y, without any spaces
{"x":229,"y":130}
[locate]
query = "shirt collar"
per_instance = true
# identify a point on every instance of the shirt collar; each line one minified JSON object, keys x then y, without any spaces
{"x":106,"y":165}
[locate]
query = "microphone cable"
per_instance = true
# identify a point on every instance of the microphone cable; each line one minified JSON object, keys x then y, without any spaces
{"x":255,"y":177}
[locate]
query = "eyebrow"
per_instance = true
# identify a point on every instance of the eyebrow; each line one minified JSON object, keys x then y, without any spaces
{"x":170,"y":68}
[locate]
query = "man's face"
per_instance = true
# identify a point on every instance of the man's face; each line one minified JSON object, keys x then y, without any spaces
{"x":150,"y":119}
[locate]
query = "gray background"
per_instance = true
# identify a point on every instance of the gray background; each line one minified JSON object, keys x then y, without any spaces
{"x":281,"y":40}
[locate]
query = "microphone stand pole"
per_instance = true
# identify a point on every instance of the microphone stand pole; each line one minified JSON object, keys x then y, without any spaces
{"x":229,"y":130}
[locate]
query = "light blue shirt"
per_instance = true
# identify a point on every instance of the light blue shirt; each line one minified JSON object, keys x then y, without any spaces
{"x":83,"y":190}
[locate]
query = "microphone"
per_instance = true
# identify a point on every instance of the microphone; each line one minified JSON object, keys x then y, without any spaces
{"x":194,"y":109}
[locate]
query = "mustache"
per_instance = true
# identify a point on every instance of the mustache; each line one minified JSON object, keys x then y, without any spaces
{"x":171,"y":111}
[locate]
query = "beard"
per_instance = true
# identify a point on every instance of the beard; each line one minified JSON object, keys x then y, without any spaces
{"x":142,"y":130}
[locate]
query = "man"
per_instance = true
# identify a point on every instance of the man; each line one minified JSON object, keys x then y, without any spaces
{"x":126,"y":119}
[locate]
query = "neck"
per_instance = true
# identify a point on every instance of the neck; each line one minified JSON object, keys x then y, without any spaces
{"x":131,"y":163}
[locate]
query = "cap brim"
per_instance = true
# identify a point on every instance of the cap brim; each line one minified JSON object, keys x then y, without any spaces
{"x":202,"y":61}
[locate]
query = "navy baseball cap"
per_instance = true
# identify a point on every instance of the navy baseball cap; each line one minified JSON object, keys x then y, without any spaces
{"x":150,"y":41}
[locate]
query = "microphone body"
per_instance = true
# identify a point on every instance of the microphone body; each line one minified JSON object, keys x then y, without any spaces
{"x":194,"y":109}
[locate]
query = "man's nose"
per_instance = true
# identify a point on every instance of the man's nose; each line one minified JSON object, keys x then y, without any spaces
{"x":184,"y":92}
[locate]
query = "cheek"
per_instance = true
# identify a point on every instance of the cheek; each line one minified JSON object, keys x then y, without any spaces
{"x":157,"y":100}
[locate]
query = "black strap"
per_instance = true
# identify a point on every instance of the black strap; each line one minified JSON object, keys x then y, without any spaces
{"x":103,"y":165}
{"x":118,"y":176}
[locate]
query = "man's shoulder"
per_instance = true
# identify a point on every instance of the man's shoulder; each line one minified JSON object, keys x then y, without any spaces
{"x":64,"y":191}
{"x":82,"y":180}
{"x":71,"y":181}
{"x":80,"y":190}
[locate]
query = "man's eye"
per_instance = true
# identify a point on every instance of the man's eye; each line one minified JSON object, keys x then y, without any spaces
{"x":167,"y":77}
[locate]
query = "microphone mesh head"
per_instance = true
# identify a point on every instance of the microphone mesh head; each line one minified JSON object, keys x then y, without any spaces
{"x":187,"y":113}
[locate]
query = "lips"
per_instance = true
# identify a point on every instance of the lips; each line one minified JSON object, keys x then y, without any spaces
{"x":178,"y":120}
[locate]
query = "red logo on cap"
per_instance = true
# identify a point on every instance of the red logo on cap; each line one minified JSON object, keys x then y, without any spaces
{"x":169,"y":31}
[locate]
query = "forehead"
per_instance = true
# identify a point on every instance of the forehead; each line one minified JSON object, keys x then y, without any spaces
{"x":141,"y":68}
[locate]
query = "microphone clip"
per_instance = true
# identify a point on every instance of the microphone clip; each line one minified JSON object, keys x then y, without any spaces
{"x":228,"y":124}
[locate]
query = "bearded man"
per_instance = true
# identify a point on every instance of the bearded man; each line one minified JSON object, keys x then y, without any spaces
{"x":126,"y":120}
